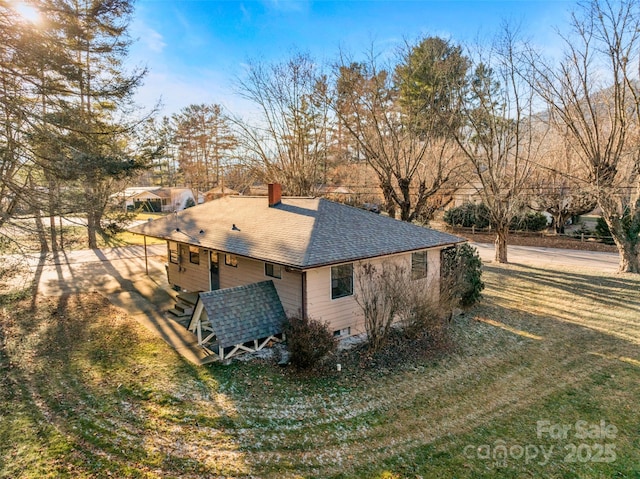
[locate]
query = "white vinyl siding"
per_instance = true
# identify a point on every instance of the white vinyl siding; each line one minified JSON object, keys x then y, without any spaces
{"x":340,"y":313}
{"x":186,"y":274}
{"x":345,"y":312}
{"x":250,"y":271}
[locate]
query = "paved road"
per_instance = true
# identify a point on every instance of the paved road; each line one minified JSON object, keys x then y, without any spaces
{"x":605,"y":262}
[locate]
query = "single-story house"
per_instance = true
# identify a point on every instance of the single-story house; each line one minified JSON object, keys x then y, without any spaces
{"x":156,"y":199}
{"x":254,"y":260}
{"x":341,"y":194}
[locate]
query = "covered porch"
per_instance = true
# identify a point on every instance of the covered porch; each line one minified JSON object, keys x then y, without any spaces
{"x":232,"y":321}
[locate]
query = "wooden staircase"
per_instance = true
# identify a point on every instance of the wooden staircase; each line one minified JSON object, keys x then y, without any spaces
{"x":185,"y":302}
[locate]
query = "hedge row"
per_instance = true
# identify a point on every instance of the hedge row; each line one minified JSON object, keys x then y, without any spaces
{"x":477,"y":215}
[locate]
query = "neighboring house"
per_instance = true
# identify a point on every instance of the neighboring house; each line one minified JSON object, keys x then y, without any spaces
{"x":300,"y":253}
{"x":341,"y":194}
{"x":219,"y":192}
{"x":157,"y":199}
{"x":466,"y":192}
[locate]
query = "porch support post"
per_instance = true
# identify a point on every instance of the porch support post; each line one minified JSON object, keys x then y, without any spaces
{"x":146,"y":262}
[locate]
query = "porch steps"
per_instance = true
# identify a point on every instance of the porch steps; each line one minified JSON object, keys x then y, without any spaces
{"x":185,"y":302}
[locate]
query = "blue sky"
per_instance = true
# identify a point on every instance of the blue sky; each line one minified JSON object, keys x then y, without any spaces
{"x":195,"y":49}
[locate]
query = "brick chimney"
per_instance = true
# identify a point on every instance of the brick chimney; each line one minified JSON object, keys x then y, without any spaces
{"x":275,"y":194}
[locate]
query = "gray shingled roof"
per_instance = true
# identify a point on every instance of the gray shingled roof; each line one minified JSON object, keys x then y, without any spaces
{"x":299,"y":232}
{"x":244,"y":313}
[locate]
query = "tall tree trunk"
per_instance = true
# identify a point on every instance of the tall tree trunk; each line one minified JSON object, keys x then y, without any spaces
{"x":61,"y":231}
{"x":629,"y":259}
{"x":629,"y":253}
{"x":387,"y":192}
{"x":560,"y":219}
{"x":405,"y":204}
{"x":52,"y":201}
{"x":93,"y":226}
{"x":40,"y":229}
{"x":92,"y":230}
{"x":501,"y":245}
{"x":627,"y":243}
{"x":42,"y":234}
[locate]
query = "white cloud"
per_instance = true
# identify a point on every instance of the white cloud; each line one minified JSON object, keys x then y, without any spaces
{"x":154,"y":41}
{"x":151,"y":39}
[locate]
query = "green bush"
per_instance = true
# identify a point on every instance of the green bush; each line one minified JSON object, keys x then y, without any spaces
{"x":630,"y":228}
{"x":603,"y":232}
{"x":308,"y":341}
{"x":582,"y":231}
{"x":468,"y":215}
{"x":461,"y":275}
{"x":116,"y":221}
{"x":531,"y":221}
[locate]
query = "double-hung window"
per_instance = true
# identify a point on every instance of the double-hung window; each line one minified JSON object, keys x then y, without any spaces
{"x":273,"y":270}
{"x":419,"y":265}
{"x":341,"y":281}
{"x":194,"y":255}
{"x":173,"y":252}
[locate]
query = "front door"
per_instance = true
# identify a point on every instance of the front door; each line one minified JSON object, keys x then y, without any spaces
{"x":214,"y":268}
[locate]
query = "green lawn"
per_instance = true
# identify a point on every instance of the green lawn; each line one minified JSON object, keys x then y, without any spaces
{"x":85,"y":392}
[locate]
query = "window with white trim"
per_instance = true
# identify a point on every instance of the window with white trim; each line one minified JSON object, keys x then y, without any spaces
{"x":231,"y":260}
{"x":341,"y":281}
{"x":173,"y":252}
{"x":273,"y":270}
{"x":418,"y":265}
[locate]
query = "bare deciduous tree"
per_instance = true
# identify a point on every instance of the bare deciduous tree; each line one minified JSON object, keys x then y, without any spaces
{"x":380,"y":295}
{"x":560,"y":186}
{"x":288,"y":139}
{"x":594,"y":94}
{"x":388,"y":295}
{"x":403,"y":131}
{"x":499,"y":137}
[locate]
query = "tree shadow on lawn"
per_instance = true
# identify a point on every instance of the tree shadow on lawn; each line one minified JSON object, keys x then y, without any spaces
{"x":607,"y":303}
{"x":101,"y":395}
{"x":495,"y":376}
{"x":597,"y":286}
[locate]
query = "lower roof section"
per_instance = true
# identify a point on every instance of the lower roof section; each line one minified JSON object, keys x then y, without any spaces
{"x":244,"y":313}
